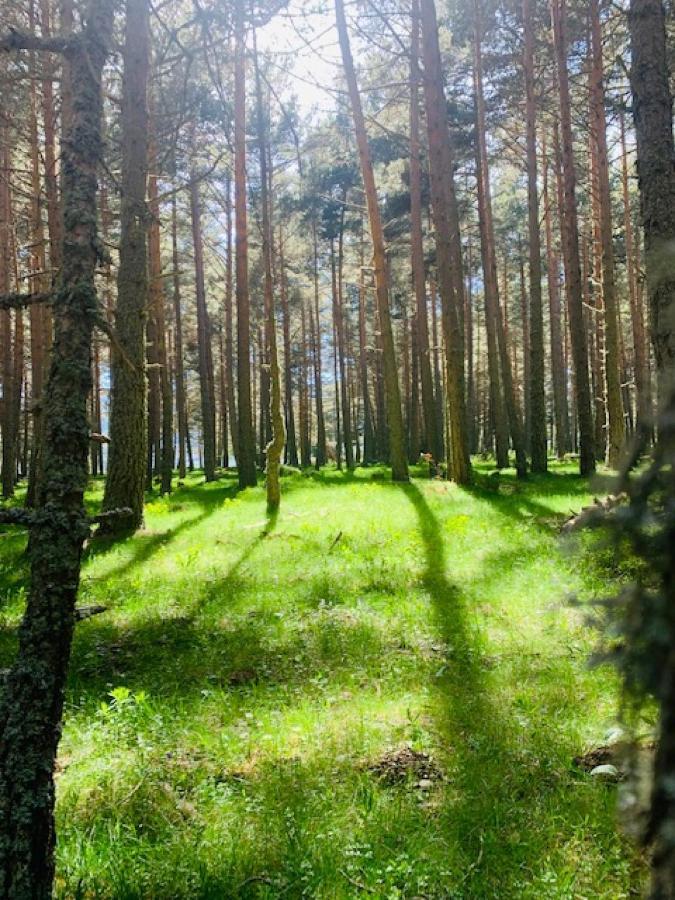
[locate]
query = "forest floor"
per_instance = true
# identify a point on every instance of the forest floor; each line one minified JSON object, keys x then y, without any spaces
{"x":378,"y":693}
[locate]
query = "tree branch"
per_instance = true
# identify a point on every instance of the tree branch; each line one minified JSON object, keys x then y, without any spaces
{"x":14,"y":516}
{"x":19,"y":301}
{"x":19,"y":40}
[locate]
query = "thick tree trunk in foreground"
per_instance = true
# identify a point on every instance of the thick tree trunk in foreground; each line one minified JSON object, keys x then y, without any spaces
{"x":571,"y":249}
{"x":537,"y":398}
{"x":397,"y":444}
{"x":653,"y":116}
{"x":246,"y":442}
{"x":31,"y":703}
{"x":448,"y":246}
{"x":125,"y":483}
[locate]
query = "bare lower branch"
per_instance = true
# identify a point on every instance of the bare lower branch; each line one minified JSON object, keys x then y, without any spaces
{"x":110,"y":515}
{"x":19,"y":40}
{"x":107,"y":329}
{"x":15,"y":516}
{"x":20,"y":301}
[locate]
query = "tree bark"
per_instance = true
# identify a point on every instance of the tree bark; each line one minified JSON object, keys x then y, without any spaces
{"x":448,"y":245}
{"x":246,"y":460}
{"x":653,"y":117}
{"x":571,"y":249}
{"x":31,"y":702}
{"x":615,"y":422}
{"x":397,"y":450}
{"x":128,"y":440}
{"x":434,"y":444}
{"x":207,"y":392}
{"x":181,"y":409}
{"x":537,"y":399}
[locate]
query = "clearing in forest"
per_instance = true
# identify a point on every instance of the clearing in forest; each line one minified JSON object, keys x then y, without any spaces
{"x":377,"y":693}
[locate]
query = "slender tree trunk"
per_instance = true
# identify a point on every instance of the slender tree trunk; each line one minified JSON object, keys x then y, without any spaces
{"x":229,"y":344}
{"x":338,"y":317}
{"x":31,"y":702}
{"x":643,"y":403}
{"x":369,"y":450}
{"x":448,"y":245}
{"x":315,"y":328}
{"x":434,"y":444}
{"x":505,"y":409}
{"x":615,"y":422}
{"x":156,"y":303}
{"x":558,"y":369}
{"x":275,"y":447}
{"x":537,"y":398}
{"x":571,"y":248}
{"x":208,"y":404}
{"x":303,"y":408}
{"x":181,"y":410}
{"x":128,"y":440}
{"x":246,"y":459}
{"x":397,"y":454}
{"x":291,"y":441}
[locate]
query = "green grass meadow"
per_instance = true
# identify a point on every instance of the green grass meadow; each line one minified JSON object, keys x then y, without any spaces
{"x":226,"y":716}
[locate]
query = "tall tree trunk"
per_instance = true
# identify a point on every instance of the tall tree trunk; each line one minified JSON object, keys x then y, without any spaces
{"x":434,"y":444}
{"x":128,"y":440}
{"x":31,"y":702}
{"x":537,"y":398}
{"x":505,"y":410}
{"x":315,"y":328}
{"x":291,"y":441}
{"x":369,"y":450}
{"x":397,"y":451}
{"x":643,"y":402}
{"x":275,"y":447}
{"x":653,"y":116}
{"x":615,"y":422}
{"x":303,"y":408}
{"x":338,"y":318}
{"x":181,"y":409}
{"x":229,"y":344}
{"x":571,"y":249}
{"x":558,"y":370}
{"x":8,"y":387}
{"x":448,"y":245}
{"x":205,"y":350}
{"x":246,"y":460}
{"x":156,"y":304}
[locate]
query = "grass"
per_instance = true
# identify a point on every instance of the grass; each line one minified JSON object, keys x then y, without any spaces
{"x":224,"y":715}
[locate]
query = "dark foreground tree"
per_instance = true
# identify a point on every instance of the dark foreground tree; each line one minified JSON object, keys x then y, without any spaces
{"x":653,"y":116}
{"x":31,"y":704}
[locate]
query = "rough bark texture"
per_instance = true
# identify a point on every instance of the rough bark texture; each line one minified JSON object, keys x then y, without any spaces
{"x":448,"y":244}
{"x":537,"y":399}
{"x":397,"y":444}
{"x":125,"y":483}
{"x":653,"y":116}
{"x":571,"y":249}
{"x":31,"y":703}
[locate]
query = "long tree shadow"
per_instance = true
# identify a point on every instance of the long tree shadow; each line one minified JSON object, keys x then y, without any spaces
{"x":506,"y":765}
{"x":472,"y":727}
